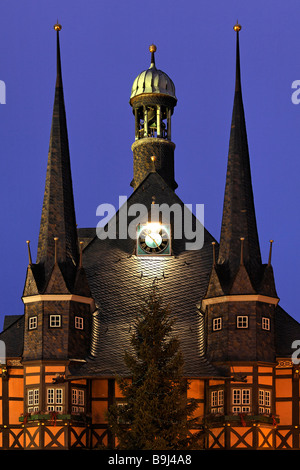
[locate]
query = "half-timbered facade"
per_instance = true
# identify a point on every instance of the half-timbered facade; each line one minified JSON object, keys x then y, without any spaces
{"x":83,"y":292}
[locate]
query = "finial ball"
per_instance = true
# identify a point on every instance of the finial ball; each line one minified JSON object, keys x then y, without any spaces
{"x":237,"y":27}
{"x":152,"y":48}
{"x":57,"y":27}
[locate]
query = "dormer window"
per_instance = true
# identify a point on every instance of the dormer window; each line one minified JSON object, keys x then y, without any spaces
{"x":265,"y":323}
{"x":32,"y":323}
{"x":242,"y":321}
{"x":217,"y":324}
{"x":55,"y":321}
{"x":79,"y":323}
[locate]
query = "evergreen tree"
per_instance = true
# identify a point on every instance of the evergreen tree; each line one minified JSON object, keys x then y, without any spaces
{"x":156,"y":414}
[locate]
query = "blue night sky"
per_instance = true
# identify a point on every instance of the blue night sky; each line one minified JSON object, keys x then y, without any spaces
{"x":104,"y":46}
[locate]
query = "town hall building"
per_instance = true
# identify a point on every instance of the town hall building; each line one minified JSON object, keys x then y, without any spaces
{"x":82,"y":293}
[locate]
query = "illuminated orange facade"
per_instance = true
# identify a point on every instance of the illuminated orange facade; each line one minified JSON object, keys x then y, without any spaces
{"x":82,"y":295}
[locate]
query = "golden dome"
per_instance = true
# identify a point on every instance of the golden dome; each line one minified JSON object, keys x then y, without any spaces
{"x":153,"y":80}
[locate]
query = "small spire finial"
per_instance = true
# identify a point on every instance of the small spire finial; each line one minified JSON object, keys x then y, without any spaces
{"x":153,"y":160}
{"x":270,"y":253}
{"x":237,"y":27}
{"x":214,"y":253}
{"x":29,"y":252}
{"x":80,"y":257}
{"x":57,"y":26}
{"x":55,"y":249}
{"x":152,"y":49}
{"x":242,"y":251}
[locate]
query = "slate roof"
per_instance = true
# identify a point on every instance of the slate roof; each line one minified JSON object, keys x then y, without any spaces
{"x":287,"y":330}
{"x":119,"y":280}
{"x":13,"y":335}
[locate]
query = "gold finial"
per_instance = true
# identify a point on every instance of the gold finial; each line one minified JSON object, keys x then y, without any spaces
{"x":152,"y":49}
{"x":237,"y":27}
{"x":57,"y":27}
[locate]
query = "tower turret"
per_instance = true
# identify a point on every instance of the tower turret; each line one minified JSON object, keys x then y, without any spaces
{"x":153,"y":101}
{"x":241,"y":297}
{"x":56,"y":295}
{"x":58,"y":213}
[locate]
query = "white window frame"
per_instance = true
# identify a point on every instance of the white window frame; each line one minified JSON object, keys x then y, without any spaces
{"x":55,"y":399}
{"x":242,"y":321}
{"x":78,"y":400}
{"x":264,"y":401}
{"x":266,"y":323}
{"x":32,"y":322}
{"x":55,"y":321}
{"x":33,"y":400}
{"x":217,"y":324}
{"x":217,"y":401}
{"x":241,"y":400}
{"x":78,"y":323}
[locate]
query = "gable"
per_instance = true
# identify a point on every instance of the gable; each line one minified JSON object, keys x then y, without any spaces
{"x":119,"y":280}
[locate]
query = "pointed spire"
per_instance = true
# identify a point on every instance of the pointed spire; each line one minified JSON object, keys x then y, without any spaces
{"x":237,"y":28}
{"x":58,"y":213}
{"x":239,"y":220}
{"x":58,"y":28}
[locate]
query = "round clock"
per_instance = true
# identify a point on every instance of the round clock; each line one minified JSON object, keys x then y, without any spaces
{"x":153,"y":239}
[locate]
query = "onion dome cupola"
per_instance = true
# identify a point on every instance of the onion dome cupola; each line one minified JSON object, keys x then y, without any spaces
{"x":153,"y":101}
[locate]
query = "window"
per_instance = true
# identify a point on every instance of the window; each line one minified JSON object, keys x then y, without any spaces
{"x":79,"y":323}
{"x":55,"y":321}
{"x":217,"y":323}
{"x":122,"y":409}
{"x":241,"y":400}
{"x":264,"y":401}
{"x":217,"y":401}
{"x":55,"y":399}
{"x":78,"y":400}
{"x":242,"y":321}
{"x":32,"y":323}
{"x":33,"y":400}
{"x":265,"y":323}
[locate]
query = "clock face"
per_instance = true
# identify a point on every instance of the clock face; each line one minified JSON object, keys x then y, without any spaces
{"x":153,"y":239}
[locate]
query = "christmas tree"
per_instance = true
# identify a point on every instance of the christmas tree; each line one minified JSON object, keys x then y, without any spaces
{"x":155,"y":414}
